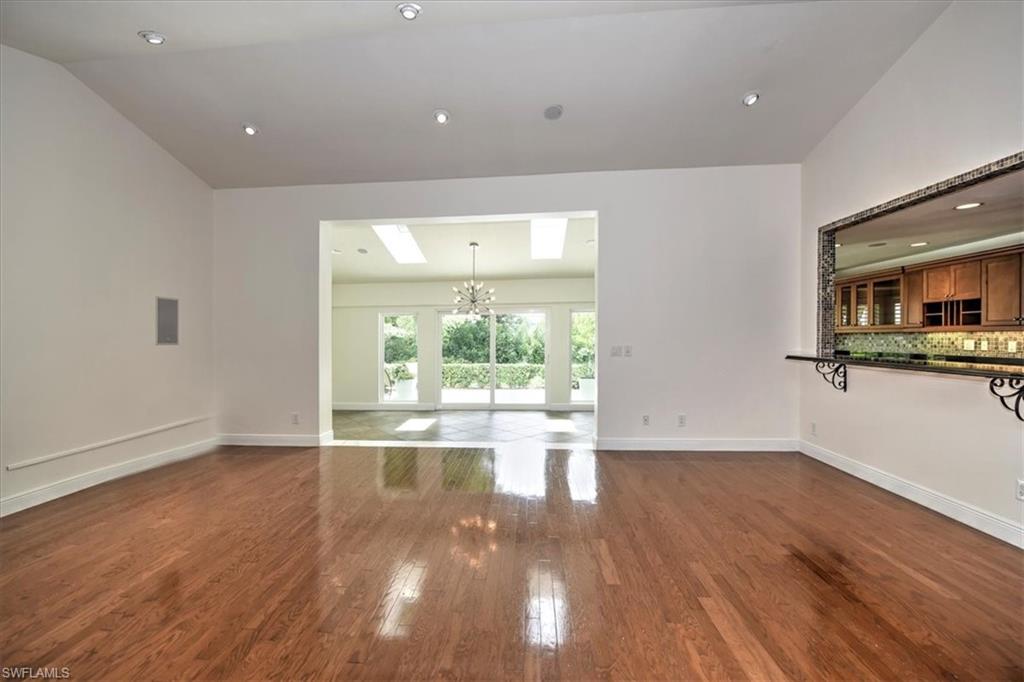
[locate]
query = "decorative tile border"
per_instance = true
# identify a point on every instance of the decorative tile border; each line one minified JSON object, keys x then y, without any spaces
{"x":827,"y":234}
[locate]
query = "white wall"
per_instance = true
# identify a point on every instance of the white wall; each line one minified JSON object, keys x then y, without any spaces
{"x":97,"y":221}
{"x":357,"y":308}
{"x":951,"y":103}
{"x":698,"y":270}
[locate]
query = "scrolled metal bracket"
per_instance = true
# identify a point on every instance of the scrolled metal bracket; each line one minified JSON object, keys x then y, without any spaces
{"x":1009,"y":390}
{"x":834,"y":373}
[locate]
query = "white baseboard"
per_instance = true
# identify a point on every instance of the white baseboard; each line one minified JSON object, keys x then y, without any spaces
{"x":326,"y":437}
{"x":700,"y":444}
{"x":967,"y":514}
{"x":400,"y":407}
{"x":571,"y":407}
{"x":52,"y":491}
{"x":276,"y":439}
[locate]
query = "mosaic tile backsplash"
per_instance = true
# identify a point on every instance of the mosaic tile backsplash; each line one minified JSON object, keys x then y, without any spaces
{"x":933,"y":343}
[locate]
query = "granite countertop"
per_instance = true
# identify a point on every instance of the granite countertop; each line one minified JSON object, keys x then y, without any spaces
{"x":991,"y":368}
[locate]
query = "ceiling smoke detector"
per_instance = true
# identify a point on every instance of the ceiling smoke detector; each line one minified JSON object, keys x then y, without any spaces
{"x":152,"y":37}
{"x":408,"y":10}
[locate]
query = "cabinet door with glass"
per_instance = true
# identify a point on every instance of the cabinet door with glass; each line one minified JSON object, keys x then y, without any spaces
{"x":886,"y":302}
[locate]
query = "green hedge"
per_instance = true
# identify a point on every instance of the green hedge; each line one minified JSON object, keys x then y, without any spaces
{"x":583,"y":370}
{"x":478,"y":375}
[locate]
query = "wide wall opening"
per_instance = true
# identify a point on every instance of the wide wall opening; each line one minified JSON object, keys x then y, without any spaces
{"x":477,"y":329}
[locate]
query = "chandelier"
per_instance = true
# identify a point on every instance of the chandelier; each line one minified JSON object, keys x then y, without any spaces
{"x":471,"y":299}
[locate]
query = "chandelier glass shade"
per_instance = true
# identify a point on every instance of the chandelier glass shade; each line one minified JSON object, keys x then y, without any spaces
{"x":472,"y":299}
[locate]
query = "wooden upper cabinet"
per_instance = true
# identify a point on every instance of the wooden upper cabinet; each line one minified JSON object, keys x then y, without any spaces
{"x":966,"y":279}
{"x":956,"y":281}
{"x":1001,"y":281}
{"x":938,"y":283}
{"x":913,"y":295}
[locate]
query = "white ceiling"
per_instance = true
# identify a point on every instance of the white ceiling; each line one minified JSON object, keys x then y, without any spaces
{"x":938,"y":223}
{"x":343,"y":92}
{"x":504,"y":252}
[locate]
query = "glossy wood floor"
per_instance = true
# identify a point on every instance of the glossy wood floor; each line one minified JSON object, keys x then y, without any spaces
{"x":518,"y":563}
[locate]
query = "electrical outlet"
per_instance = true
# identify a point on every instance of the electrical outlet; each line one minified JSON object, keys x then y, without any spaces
{"x":1011,"y":346}
{"x":1020,"y":488}
{"x":616,"y":351}
{"x":295,"y":417}
{"x":983,"y":344}
{"x":968,"y":344}
{"x":646,"y":420}
{"x":627,"y":351}
{"x":814,"y":428}
{"x":681,"y":420}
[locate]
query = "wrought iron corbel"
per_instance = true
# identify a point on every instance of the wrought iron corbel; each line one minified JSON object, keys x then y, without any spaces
{"x":1009,"y":390}
{"x":833,"y":372}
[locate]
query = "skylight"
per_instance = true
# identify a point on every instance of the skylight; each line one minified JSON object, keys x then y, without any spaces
{"x":399,"y":242}
{"x":547,"y":238}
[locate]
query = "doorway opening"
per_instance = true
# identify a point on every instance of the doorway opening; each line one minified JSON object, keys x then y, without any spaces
{"x":415,"y":359}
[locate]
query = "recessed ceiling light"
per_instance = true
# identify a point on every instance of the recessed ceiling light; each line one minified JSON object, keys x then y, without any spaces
{"x":972,"y":204}
{"x":547,"y":238}
{"x":442,"y":116}
{"x":362,"y":251}
{"x":408,"y":10}
{"x":838,"y":245}
{"x":917,"y":244}
{"x":249,"y":129}
{"x":337,"y":251}
{"x":876,"y":245}
{"x":750,"y":99}
{"x":399,"y":242}
{"x":152,"y":37}
{"x":554,"y":112}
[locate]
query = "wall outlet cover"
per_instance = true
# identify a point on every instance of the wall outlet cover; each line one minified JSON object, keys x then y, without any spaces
{"x":616,"y":351}
{"x":646,"y":420}
{"x":1011,"y":346}
{"x":968,"y":344}
{"x":681,"y":420}
{"x":627,"y":351}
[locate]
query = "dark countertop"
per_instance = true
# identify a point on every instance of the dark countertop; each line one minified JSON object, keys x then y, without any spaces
{"x":989,"y":368}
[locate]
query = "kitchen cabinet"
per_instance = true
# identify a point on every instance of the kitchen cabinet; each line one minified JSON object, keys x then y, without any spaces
{"x":1001,"y":290}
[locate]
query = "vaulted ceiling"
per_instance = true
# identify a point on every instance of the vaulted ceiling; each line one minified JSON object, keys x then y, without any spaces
{"x":344,"y":92}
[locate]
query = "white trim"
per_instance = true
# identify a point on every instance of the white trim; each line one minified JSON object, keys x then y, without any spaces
{"x":455,"y":445}
{"x":399,"y":407}
{"x":571,"y":407}
{"x":106,"y":443}
{"x":52,"y":491}
{"x":326,"y":437}
{"x":700,"y":444}
{"x":967,"y":514}
{"x":272,"y":439}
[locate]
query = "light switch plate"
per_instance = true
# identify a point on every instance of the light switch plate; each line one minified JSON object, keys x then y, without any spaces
{"x":968,"y":344}
{"x":1011,"y":346}
{"x":983,"y":344}
{"x":627,"y":351}
{"x":616,"y":351}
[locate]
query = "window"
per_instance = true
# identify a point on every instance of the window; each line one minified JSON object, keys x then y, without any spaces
{"x":584,"y":335}
{"x":400,"y":359}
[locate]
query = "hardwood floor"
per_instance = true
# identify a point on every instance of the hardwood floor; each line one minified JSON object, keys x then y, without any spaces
{"x":516,"y":563}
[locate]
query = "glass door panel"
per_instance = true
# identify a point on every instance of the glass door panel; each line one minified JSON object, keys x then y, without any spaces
{"x":845,"y":306}
{"x":519,"y":354}
{"x":885,"y":300}
{"x":401,"y":358}
{"x":583,"y":333}
{"x":466,"y":376}
{"x":862,"y":319}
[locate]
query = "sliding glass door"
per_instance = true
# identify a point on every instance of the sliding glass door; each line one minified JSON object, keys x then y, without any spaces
{"x":495,"y":360}
{"x":400,"y":359}
{"x":519,"y":358}
{"x":466,"y":372}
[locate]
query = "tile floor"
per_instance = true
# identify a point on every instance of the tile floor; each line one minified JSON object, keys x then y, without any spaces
{"x":465,"y":426}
